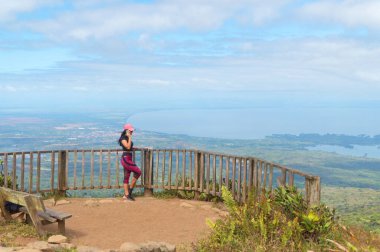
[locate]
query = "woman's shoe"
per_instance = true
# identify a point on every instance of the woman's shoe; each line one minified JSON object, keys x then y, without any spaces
{"x":130,"y":197}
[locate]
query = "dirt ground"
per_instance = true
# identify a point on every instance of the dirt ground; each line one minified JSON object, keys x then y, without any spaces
{"x":107,"y":223}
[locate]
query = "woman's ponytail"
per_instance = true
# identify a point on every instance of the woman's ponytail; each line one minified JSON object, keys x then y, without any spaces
{"x":121,"y":136}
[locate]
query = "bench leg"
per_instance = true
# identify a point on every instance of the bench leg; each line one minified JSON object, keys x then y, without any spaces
{"x":61,"y":227}
{"x":4,"y":212}
{"x":32,"y":211}
{"x":28,"y":220}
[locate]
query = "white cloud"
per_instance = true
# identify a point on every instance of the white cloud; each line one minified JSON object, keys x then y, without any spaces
{"x":94,"y":22}
{"x":323,"y":66}
{"x":14,"y":88}
{"x":259,"y":12}
{"x":368,"y":75}
{"x":9,"y":9}
{"x":8,"y":88}
{"x":352,"y":13}
{"x":222,"y":62}
{"x":80,"y":88}
{"x":144,"y":41}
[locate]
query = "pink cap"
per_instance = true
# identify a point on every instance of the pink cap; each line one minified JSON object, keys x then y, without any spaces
{"x":129,"y":127}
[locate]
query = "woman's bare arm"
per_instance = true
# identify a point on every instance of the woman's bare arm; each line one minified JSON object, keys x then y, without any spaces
{"x":127,"y":144}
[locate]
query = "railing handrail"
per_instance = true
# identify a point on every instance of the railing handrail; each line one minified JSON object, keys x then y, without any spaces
{"x":69,"y":150}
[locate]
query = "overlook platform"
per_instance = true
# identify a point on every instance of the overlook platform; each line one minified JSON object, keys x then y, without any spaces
{"x":107,"y":223}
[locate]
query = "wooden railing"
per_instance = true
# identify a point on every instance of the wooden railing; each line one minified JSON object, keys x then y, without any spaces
{"x":190,"y":170}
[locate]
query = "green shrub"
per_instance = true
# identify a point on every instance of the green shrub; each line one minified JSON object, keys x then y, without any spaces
{"x":2,"y":177}
{"x":290,"y":201}
{"x":317,"y":222}
{"x":9,"y":180}
{"x":278,"y":221}
{"x":182,"y":194}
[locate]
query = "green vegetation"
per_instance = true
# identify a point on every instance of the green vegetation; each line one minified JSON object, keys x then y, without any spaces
{"x":2,"y":177}
{"x":66,"y":250}
{"x":12,"y":231}
{"x":355,"y":206}
{"x":9,"y":230}
{"x":184,"y":194}
{"x":55,"y":195}
{"x":359,"y":175}
{"x":281,"y":222}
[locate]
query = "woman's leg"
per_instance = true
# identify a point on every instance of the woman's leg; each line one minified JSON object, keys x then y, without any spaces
{"x":126,"y":181}
{"x":133,"y":183}
{"x":130,"y":166}
{"x":127,"y":174}
{"x":126,"y":189}
{"x":136,"y":174}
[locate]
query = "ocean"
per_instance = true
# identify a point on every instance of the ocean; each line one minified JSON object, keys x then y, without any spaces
{"x":256,"y":123}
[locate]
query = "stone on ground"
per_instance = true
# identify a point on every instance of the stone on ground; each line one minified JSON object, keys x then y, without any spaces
{"x":41,"y":245}
{"x":57,"y":239}
{"x":150,"y":246}
{"x":91,"y":203}
{"x":187,"y":205}
{"x":28,"y":250}
{"x":62,"y":202}
{"x":129,"y":247}
{"x":87,"y":249}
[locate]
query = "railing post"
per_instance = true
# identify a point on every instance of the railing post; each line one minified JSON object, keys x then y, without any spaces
{"x":5,"y":166}
{"x":281,"y":181}
{"x":148,"y":173}
{"x":313,"y":190}
{"x":62,"y":172}
{"x":197,"y":174}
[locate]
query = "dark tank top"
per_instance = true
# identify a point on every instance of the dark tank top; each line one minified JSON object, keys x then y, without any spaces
{"x":126,"y":139}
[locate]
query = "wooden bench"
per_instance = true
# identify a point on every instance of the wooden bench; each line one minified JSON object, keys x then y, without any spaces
{"x":34,"y":208}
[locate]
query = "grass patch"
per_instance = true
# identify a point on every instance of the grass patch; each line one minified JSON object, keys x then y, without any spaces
{"x":66,"y":250}
{"x":165,"y":194}
{"x":9,"y":230}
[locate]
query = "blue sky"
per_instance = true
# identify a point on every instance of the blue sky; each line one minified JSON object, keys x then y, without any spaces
{"x":157,"y":54}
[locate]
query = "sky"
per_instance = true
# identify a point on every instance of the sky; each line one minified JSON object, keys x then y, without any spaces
{"x":85,"y":54}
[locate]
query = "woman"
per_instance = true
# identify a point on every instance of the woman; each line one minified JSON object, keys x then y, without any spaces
{"x":125,"y":141}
